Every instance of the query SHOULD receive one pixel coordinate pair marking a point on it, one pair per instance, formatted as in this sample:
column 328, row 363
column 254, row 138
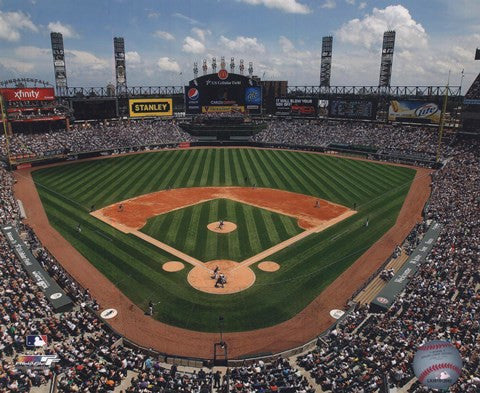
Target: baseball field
column 310, row 215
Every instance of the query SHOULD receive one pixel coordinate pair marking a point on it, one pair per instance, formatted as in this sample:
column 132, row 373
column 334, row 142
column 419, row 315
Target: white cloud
column 288, row 6
column 132, row 59
column 164, row 35
column 191, row 45
column 66, row 30
column 85, row 61
column 369, row 30
column 12, row 22
column 242, row 44
column 29, row 52
column 351, row 2
column 362, row 5
column 153, row 15
column 16, row 66
column 285, row 44
column 167, row 64
column 329, row 4
column 201, row 34
column 186, row 18
column 291, row 56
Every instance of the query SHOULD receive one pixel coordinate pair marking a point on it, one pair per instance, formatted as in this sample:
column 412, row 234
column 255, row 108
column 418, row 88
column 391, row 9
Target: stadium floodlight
column 195, row 70
column 205, row 67
column 250, row 69
column 242, row 67
column 232, row 65
column 214, row 65
column 223, row 64
column 387, row 59
column 326, row 62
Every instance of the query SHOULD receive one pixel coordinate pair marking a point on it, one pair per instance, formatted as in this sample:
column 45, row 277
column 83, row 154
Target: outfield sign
column 385, row 298
column 57, row 297
column 150, row 107
column 414, row 112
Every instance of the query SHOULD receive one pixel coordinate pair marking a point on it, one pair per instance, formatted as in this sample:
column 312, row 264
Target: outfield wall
column 347, row 150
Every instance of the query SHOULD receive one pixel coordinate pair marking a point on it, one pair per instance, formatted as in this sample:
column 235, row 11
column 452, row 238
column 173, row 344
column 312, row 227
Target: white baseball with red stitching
column 437, row 364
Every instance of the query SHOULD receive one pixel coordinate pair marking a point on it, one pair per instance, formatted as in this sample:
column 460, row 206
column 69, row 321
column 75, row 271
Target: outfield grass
column 186, row 230
column 307, row 267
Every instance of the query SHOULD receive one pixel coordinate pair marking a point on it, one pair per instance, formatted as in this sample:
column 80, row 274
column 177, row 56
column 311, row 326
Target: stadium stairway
column 370, row 291
column 126, row 382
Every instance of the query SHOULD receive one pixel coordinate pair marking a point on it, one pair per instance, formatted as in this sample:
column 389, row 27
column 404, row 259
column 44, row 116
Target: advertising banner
column 296, row 107
column 353, row 109
column 28, row 94
column 149, row 107
column 399, row 281
column 253, row 97
column 414, row 112
column 57, row 297
column 223, row 109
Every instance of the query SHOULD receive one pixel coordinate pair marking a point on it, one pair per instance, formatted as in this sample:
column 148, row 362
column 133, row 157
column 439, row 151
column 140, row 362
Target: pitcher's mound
column 238, row 277
column 269, row 266
column 173, row 266
column 227, row 227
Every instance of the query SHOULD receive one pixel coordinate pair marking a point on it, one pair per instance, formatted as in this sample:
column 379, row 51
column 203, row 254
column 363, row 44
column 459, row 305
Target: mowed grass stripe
column 265, row 176
column 121, row 188
column 108, row 182
column 247, row 169
column 234, row 247
column 211, row 243
column 224, row 168
column 190, row 164
column 212, row 168
column 355, row 185
column 269, row 169
column 189, row 227
column 76, row 186
column 303, row 177
column 116, row 172
column 186, row 169
column 64, row 176
column 217, row 167
column 192, row 180
column 150, row 178
column 336, row 186
column 239, row 175
column 205, row 164
column 376, row 177
column 280, row 167
column 125, row 188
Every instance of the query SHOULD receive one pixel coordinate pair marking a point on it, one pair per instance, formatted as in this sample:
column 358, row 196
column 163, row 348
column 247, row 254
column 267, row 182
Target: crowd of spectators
column 442, row 301
column 86, row 137
column 387, row 138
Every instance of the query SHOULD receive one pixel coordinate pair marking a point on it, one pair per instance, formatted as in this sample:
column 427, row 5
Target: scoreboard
column 353, row 109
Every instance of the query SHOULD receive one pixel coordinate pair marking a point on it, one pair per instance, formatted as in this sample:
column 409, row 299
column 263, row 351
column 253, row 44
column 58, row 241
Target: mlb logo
column 36, row 341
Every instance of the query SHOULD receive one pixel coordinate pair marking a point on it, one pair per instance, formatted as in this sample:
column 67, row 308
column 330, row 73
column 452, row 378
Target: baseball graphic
column 437, row 364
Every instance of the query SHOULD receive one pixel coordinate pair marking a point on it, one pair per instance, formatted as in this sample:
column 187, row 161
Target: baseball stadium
column 232, row 232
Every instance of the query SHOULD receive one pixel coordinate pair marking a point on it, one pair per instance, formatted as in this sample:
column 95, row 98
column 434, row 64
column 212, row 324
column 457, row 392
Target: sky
column 163, row 39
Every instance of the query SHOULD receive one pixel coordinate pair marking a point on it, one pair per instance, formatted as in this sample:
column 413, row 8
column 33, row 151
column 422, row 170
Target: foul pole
column 442, row 118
